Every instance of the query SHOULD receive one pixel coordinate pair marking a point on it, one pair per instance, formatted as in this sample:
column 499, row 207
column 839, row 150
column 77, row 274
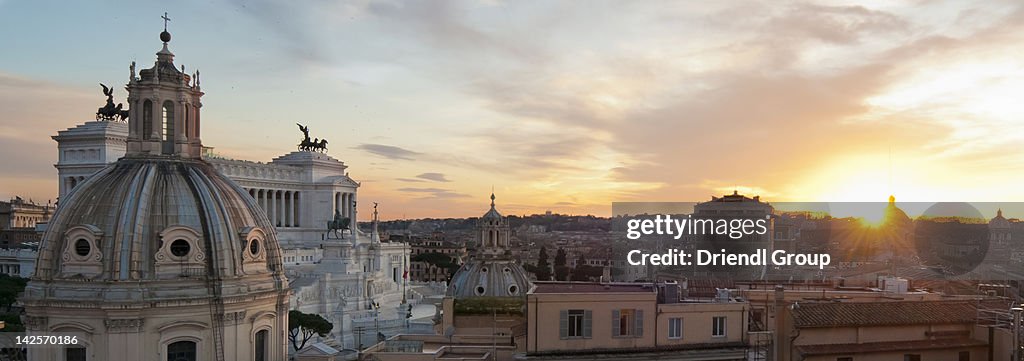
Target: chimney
column 670, row 293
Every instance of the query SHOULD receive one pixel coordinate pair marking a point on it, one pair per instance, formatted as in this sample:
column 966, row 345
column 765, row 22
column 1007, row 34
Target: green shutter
column 639, row 329
column 563, row 324
column 587, row 322
column 615, row 323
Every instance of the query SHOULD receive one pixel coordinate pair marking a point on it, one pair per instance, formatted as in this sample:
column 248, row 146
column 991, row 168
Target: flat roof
column 591, row 287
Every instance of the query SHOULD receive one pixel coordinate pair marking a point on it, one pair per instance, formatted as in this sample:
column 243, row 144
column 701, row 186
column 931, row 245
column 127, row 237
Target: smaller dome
column 894, row 216
column 999, row 222
column 489, row 278
column 492, row 214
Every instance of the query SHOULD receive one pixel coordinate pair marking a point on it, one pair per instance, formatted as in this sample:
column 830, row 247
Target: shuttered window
column 627, row 322
column 575, row 324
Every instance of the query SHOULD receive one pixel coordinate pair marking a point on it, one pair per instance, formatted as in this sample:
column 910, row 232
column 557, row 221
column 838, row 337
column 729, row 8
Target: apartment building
column 581, row 320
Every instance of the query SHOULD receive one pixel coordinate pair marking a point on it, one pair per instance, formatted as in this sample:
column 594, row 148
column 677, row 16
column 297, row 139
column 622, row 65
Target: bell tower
column 493, row 233
column 164, row 108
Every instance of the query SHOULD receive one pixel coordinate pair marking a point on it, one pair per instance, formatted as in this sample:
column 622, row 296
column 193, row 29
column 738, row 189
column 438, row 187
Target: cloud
column 410, row 180
column 435, row 192
column 388, row 151
column 35, row 110
column 437, row 177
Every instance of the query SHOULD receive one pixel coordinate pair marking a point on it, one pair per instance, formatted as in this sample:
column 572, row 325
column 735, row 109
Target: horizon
column 431, row 106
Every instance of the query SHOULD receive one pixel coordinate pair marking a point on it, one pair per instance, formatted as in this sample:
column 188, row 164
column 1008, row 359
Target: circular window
column 254, row 247
column 180, row 248
column 513, row 289
column 82, row 247
column 479, row 290
column 507, row 270
column 484, row 270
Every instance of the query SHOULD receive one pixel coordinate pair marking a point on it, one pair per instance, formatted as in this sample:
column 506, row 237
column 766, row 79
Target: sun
column 873, row 219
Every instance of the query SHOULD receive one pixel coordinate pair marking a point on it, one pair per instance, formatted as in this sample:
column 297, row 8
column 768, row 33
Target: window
column 964, row 356
column 147, row 119
column 911, row 357
column 181, row 351
column 167, row 121
column 254, row 247
column 260, row 344
column 575, row 324
column 82, row 247
column 675, row 328
column 180, row 248
column 718, row 326
column 168, row 127
column 627, row 323
column 74, row 354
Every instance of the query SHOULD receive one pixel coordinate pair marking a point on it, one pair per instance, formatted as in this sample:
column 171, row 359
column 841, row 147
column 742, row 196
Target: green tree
column 582, row 271
column 10, row 287
column 543, row 270
column 302, row 327
column 561, row 270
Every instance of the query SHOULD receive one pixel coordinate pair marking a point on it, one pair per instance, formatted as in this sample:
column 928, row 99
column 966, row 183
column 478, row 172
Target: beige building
column 19, row 213
column 578, row 320
column 869, row 331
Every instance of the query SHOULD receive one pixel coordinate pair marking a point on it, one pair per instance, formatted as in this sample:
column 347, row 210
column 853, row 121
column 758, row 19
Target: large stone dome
column 158, row 256
column 160, row 218
column 169, row 253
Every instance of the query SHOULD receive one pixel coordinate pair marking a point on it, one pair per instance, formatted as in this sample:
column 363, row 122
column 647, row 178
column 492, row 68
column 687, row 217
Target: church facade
column 349, row 277
column 159, row 256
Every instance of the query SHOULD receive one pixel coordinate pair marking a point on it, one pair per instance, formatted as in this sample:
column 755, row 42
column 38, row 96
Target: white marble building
column 18, row 262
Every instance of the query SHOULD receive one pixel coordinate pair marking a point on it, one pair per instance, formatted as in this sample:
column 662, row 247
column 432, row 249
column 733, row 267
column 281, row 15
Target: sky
column 556, row 105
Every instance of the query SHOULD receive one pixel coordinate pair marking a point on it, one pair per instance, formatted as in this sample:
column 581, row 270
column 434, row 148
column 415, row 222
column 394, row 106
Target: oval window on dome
column 513, row 290
column 254, row 247
column 479, row 290
column 180, row 248
column 484, row 270
column 82, row 247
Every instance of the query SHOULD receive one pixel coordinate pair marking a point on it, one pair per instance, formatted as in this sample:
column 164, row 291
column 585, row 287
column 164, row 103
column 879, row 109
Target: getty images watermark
column 743, row 238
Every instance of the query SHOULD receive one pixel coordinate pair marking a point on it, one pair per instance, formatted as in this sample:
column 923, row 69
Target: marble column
column 288, row 208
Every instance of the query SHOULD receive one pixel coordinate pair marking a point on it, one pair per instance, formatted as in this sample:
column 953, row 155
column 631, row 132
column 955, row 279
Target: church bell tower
column 164, row 108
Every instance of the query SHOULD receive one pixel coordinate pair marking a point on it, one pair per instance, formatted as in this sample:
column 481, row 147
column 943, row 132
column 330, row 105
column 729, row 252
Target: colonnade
column 282, row 206
column 345, row 203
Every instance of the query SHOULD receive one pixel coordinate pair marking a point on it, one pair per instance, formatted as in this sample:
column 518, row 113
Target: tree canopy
column 302, row 327
column 543, row 269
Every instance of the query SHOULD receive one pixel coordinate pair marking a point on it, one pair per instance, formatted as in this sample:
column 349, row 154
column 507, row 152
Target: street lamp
column 408, row 315
column 376, row 319
column 1016, row 333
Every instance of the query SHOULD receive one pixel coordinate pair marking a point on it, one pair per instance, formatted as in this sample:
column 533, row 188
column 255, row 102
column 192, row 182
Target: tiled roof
column 809, row 315
column 861, row 348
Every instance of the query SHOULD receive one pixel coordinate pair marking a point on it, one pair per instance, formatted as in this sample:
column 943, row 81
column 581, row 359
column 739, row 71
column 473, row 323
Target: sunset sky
column 562, row 106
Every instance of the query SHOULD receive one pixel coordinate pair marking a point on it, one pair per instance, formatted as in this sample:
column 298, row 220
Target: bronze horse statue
column 315, row 145
column 336, row 224
column 110, row 111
